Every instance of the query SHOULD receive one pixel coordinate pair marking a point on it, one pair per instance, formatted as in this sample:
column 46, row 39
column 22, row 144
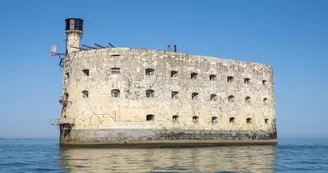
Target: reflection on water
column 216, row 159
column 38, row 155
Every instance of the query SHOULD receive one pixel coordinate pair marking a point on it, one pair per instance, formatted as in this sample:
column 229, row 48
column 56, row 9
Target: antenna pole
column 111, row 45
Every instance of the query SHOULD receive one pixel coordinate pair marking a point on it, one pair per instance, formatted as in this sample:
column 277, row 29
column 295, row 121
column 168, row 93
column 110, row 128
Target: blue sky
column 290, row 35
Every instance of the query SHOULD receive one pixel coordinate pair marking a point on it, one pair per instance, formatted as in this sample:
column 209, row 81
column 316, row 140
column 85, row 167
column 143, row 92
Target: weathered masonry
column 127, row 97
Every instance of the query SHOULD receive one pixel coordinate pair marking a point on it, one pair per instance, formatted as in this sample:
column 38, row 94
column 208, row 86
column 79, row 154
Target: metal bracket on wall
column 61, row 64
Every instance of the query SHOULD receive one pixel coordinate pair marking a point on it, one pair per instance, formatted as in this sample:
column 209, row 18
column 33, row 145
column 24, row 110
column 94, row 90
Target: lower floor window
column 195, row 119
column 150, row 117
column 175, row 118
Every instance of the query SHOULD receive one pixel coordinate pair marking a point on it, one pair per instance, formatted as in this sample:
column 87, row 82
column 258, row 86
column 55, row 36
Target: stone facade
column 116, row 88
column 123, row 95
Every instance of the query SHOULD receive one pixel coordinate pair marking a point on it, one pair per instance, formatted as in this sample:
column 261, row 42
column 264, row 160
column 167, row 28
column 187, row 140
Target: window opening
column 265, row 100
column 174, row 94
column 232, row 120
column 85, row 94
column 230, row 79
column 264, row 82
column 249, row 120
column 115, row 93
column 150, row 117
column 214, row 120
column 86, row 72
column 66, row 96
column 174, row 74
column 193, row 75
column 194, row 96
column 175, row 118
column 214, row 97
column 231, row 98
column 212, row 77
column 195, row 119
column 248, row 99
column 266, row 121
column 149, row 93
column 149, row 71
column 115, row 70
column 247, row 80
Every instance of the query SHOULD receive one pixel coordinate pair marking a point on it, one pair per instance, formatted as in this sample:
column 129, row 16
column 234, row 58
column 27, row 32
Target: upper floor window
column 247, row 80
column 194, row 96
column 212, row 77
column 67, row 75
column 247, row 99
column 85, row 72
column 266, row 121
column 115, row 93
column 265, row 100
column 115, row 70
column 66, row 96
column 150, row 93
column 193, row 75
column 174, row 94
column 213, row 97
column 174, row 74
column 230, row 79
column 149, row 71
column 231, row 120
column 264, row 82
column 150, row 117
column 85, row 94
column 231, row 98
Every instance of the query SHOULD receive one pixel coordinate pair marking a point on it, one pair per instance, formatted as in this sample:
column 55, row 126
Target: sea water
column 45, row 155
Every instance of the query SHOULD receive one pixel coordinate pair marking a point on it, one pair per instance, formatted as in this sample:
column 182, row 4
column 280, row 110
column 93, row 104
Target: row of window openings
column 174, row 95
column 114, row 70
column 150, row 71
column 194, row 75
column 195, row 119
column 212, row 77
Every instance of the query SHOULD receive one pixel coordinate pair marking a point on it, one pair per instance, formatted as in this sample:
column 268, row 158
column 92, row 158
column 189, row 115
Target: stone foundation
column 163, row 138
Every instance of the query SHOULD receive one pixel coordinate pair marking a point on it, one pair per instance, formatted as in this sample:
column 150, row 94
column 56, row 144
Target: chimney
column 168, row 48
column 74, row 31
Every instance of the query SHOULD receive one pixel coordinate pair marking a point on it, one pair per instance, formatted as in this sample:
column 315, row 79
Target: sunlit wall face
column 123, row 95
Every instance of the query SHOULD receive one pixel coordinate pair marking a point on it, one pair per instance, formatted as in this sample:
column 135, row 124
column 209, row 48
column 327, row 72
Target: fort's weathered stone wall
column 106, row 89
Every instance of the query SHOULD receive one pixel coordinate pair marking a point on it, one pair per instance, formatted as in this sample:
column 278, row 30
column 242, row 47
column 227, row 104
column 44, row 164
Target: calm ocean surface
column 28, row 155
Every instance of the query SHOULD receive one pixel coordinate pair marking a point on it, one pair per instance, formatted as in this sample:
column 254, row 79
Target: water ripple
column 47, row 156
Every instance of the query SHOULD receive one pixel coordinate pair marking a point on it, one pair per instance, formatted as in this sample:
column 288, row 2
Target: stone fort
column 140, row 97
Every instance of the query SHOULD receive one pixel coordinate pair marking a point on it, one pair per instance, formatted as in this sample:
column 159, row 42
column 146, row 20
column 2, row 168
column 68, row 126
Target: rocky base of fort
column 163, row 138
